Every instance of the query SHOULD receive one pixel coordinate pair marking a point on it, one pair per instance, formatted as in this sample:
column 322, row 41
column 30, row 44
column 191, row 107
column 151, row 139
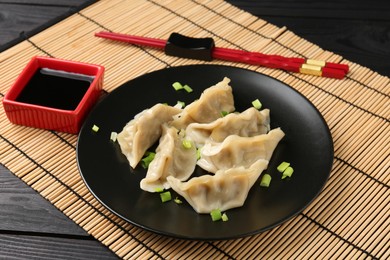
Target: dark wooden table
column 31, row 228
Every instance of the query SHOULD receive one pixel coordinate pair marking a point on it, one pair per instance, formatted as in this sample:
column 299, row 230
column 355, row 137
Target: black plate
column 307, row 146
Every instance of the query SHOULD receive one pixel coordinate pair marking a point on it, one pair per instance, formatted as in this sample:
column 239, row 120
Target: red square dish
column 54, row 94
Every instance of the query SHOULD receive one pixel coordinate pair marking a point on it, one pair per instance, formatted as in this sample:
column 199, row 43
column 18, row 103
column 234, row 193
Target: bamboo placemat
column 350, row 217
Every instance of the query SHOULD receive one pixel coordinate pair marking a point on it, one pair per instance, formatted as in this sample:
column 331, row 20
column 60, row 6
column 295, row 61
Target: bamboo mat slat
column 349, row 218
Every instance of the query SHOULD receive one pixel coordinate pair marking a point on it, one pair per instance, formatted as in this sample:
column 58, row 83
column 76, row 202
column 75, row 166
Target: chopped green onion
column 148, row 158
column 224, row 113
column 283, row 166
column 198, row 153
column 265, row 180
column 215, row 214
column 287, row 172
column 187, row 144
column 224, row 217
column 113, row 136
column 159, row 189
column 257, row 104
column 95, row 128
column 180, row 104
column 177, row 86
column 187, row 88
column 165, row 196
column 178, row 201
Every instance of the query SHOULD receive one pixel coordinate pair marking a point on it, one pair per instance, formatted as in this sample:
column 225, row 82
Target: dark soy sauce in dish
column 55, row 89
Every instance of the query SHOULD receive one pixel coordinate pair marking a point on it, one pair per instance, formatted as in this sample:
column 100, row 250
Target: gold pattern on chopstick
column 311, row 69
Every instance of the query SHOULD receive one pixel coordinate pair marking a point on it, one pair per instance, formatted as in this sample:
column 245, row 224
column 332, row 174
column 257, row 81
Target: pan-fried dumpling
column 172, row 159
column 250, row 122
column 143, row 131
column 237, row 151
column 225, row 190
column 208, row 107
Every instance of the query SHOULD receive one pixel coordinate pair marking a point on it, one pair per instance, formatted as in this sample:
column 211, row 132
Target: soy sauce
column 55, row 89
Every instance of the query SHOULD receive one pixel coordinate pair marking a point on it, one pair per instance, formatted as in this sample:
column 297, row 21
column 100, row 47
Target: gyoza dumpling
column 225, row 190
column 250, row 122
column 237, row 151
column 172, row 159
column 143, row 131
column 208, row 107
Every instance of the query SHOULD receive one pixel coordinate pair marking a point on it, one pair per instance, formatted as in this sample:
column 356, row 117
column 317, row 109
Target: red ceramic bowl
column 54, row 94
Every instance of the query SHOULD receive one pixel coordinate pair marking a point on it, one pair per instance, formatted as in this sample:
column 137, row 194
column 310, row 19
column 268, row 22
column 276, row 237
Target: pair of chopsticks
column 182, row 44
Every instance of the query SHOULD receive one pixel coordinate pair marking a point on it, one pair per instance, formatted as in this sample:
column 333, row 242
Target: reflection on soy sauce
column 55, row 89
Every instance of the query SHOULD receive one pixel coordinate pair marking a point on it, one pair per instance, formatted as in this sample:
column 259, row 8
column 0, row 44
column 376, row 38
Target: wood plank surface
column 31, row 228
column 22, row 19
column 357, row 30
column 24, row 246
column 34, row 214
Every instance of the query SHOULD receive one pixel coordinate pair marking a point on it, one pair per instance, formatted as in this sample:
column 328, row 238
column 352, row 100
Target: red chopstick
column 139, row 40
column 299, row 65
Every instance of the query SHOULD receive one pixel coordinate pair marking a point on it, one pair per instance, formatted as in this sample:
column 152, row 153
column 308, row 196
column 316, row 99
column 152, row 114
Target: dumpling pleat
column 225, row 190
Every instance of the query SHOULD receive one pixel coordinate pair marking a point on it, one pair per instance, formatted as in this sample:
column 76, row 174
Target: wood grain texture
column 32, row 228
column 30, row 213
column 43, row 247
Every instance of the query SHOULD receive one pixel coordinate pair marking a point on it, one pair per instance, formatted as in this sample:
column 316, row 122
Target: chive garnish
column 148, row 158
column 198, row 155
column 159, row 189
column 180, row 104
column 265, row 180
column 224, row 217
column 283, row 166
column 165, row 196
column 187, row 88
column 113, row 136
column 215, row 214
column 287, row 172
column 224, row 113
column 257, row 104
column 178, row 201
column 177, row 86
column 187, row 144
column 95, row 128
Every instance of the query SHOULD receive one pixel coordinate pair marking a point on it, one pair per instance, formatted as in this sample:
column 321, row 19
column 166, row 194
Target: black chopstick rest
column 186, row 47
